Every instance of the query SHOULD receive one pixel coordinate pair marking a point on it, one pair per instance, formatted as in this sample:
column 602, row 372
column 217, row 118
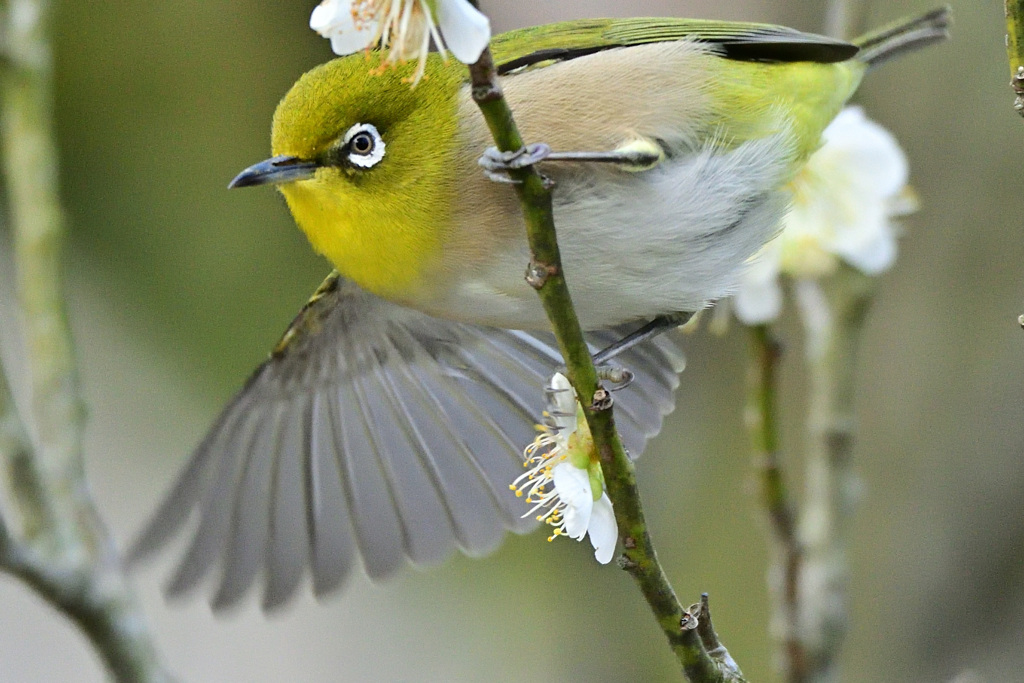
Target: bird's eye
column 363, row 145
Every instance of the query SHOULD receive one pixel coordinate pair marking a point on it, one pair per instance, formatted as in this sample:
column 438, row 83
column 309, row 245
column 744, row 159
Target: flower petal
column 465, row 29
column 325, row 15
column 871, row 152
column 844, row 202
column 562, row 404
column 352, row 41
column 759, row 297
column 573, row 487
column 334, row 19
column 604, row 532
column 873, row 254
column 758, row 305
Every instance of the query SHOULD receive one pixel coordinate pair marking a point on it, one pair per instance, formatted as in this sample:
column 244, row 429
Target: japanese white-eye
column 388, row 423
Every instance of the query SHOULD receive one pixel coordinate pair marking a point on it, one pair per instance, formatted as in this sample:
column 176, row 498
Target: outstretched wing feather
column 247, row 545
column 377, row 431
column 289, row 538
column 471, row 511
column 214, row 514
column 333, row 548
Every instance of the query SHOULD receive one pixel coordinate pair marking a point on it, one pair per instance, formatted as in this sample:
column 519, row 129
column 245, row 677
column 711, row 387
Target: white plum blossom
column 406, row 27
column 566, row 488
column 845, row 201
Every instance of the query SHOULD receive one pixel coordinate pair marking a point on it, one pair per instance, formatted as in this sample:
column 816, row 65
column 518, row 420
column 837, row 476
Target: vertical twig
column 809, row 577
column 834, row 323
column 784, row 572
column 545, row 275
column 63, row 551
column 845, row 18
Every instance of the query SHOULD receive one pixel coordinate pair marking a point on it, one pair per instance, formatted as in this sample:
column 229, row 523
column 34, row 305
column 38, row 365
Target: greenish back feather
column 541, row 45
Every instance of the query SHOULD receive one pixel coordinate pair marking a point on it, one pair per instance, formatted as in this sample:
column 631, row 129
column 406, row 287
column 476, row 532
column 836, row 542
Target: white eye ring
column 368, row 158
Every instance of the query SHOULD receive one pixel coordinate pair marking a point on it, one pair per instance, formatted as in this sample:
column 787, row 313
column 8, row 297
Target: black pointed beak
column 276, row 170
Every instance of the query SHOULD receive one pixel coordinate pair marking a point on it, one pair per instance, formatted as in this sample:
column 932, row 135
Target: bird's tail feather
column 903, row 36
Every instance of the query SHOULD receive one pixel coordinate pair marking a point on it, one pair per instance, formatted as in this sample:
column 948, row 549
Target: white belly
column 635, row 245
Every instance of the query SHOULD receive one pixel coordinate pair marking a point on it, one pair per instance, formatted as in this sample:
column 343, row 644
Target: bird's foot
column 660, row 324
column 616, row 374
column 634, row 156
column 498, row 164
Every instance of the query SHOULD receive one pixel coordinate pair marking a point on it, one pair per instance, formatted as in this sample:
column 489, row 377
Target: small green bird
column 388, row 423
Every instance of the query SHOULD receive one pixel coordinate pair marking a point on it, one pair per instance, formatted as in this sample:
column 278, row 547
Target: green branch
column 546, row 276
column 63, row 549
column 1015, row 50
column 809, row 578
column 833, row 341
column 762, row 425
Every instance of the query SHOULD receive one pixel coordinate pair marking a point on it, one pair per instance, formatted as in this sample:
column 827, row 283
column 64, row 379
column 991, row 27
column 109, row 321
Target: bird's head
column 365, row 164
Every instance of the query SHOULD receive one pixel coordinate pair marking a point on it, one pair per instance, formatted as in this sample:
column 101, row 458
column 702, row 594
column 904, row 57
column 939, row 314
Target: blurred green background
column 179, row 288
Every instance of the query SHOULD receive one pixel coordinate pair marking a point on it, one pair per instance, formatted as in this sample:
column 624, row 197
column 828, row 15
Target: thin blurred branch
column 784, row 572
column 845, row 18
column 15, row 448
column 545, row 275
column 809, row 577
column 63, row 549
column 834, row 320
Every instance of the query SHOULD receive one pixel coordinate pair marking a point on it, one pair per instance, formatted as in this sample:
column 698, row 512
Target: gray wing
column 379, row 432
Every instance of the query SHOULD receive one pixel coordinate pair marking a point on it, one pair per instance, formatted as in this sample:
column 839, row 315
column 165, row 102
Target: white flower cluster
column 407, row 27
column 845, row 201
column 564, row 486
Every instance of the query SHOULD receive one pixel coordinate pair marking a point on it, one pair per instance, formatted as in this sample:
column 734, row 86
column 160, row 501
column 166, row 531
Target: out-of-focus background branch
column 51, row 536
column 178, row 288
